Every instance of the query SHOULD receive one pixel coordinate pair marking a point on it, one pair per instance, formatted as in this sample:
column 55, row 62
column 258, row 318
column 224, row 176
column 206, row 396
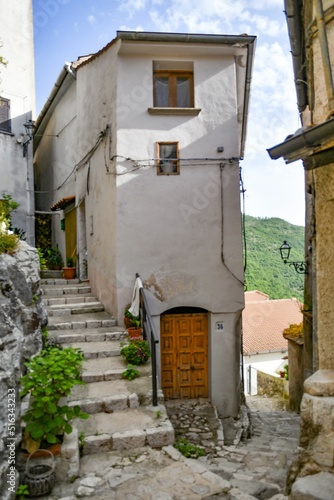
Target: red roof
column 255, row 296
column 263, row 324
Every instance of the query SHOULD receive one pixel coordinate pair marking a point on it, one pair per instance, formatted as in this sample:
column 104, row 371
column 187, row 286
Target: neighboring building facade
column 264, row 347
column 17, row 107
column 311, row 32
column 140, row 156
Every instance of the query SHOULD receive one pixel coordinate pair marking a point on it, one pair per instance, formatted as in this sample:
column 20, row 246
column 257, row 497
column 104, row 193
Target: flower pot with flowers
column 136, row 351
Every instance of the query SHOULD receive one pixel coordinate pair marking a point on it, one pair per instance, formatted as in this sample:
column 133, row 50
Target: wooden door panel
column 184, row 355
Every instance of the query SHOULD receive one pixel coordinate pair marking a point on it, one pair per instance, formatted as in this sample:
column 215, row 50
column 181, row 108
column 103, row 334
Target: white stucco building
column 17, row 107
column 139, row 155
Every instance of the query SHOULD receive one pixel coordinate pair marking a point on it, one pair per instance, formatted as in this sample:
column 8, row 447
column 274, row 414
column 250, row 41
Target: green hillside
column 265, row 270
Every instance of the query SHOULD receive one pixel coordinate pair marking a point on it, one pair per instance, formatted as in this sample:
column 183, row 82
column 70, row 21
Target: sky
column 67, row 29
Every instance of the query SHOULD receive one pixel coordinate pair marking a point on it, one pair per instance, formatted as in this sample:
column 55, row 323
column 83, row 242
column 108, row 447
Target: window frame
column 159, row 159
column 172, row 76
column 8, row 129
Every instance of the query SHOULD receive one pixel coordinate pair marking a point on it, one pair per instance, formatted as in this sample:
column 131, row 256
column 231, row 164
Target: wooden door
column 184, row 355
column 71, row 234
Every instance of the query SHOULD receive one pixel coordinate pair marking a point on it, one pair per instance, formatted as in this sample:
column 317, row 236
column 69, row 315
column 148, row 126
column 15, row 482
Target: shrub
column 51, row 376
column 8, row 243
column 136, row 352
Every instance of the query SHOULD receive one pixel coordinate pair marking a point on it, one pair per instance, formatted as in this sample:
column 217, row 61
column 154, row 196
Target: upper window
column 5, row 123
column 173, row 84
column 168, row 158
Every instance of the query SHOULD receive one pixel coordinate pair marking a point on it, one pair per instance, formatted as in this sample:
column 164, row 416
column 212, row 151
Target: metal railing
column 150, row 334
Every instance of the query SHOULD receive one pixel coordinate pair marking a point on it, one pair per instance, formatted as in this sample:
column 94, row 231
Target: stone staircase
column 121, row 415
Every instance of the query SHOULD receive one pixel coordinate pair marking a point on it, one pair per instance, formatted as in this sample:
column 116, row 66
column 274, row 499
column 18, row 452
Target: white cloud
column 131, row 7
column 91, row 19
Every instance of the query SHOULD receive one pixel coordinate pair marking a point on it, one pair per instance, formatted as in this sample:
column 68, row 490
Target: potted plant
column 50, row 377
column 136, row 351
column 132, row 323
column 54, row 258
column 70, row 270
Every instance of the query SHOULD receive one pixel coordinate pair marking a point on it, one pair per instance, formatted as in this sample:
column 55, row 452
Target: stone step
column 60, row 281
column 66, row 289
column 133, row 427
column 101, row 334
column 78, row 308
column 117, row 394
column 94, row 350
column 80, row 321
column 106, row 369
column 69, row 299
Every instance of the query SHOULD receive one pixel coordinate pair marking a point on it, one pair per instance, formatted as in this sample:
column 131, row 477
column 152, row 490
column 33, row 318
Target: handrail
column 150, row 334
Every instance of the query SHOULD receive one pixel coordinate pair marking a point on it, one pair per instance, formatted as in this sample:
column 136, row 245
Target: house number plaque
column 219, row 326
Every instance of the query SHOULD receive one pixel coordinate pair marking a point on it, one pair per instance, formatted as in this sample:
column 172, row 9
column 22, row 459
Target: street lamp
column 29, row 126
column 300, row 266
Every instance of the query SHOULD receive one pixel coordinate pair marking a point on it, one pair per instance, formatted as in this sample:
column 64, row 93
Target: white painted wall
column 167, row 228
column 17, row 84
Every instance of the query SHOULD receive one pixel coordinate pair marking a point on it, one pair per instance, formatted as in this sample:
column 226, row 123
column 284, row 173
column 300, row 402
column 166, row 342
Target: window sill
column 174, row 111
column 5, row 132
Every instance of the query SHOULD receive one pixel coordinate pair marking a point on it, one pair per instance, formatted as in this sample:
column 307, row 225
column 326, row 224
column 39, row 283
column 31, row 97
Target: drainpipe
column 325, row 52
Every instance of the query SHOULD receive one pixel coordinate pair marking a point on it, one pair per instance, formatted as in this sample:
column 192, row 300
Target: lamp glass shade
column 285, row 251
column 29, row 126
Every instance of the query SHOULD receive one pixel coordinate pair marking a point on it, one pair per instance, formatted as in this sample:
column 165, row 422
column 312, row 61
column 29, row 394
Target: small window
column 168, row 158
column 173, row 84
column 5, row 122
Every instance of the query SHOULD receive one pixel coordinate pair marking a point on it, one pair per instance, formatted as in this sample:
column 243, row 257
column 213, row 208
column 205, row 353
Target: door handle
column 192, row 367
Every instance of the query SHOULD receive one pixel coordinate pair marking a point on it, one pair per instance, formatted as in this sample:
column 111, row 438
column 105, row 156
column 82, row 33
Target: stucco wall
column 324, row 207
column 18, row 85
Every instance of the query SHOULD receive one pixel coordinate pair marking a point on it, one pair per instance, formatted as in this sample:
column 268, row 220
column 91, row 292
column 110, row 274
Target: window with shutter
column 168, row 158
column 5, row 122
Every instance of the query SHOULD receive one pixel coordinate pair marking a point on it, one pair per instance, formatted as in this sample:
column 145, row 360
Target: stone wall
column 22, row 314
column 270, row 386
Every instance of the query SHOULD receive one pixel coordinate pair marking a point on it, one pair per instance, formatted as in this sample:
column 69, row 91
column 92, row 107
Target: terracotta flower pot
column 127, row 322
column 69, row 273
column 134, row 332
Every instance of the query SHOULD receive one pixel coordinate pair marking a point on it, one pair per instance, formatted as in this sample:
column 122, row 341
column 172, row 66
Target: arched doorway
column 184, row 353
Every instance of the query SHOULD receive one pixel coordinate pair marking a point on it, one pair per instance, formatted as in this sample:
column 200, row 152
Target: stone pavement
column 256, row 468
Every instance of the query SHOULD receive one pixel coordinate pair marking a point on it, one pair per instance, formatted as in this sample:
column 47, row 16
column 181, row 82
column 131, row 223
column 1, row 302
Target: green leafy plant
column 53, row 258
column 136, row 352
column 42, row 260
column 158, row 414
column 22, row 491
column 51, row 376
column 187, row 449
column 286, row 372
column 134, row 319
column 70, row 262
column 130, row 373
column 8, row 242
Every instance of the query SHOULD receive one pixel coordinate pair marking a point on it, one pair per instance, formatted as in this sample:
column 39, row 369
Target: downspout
column 325, row 53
